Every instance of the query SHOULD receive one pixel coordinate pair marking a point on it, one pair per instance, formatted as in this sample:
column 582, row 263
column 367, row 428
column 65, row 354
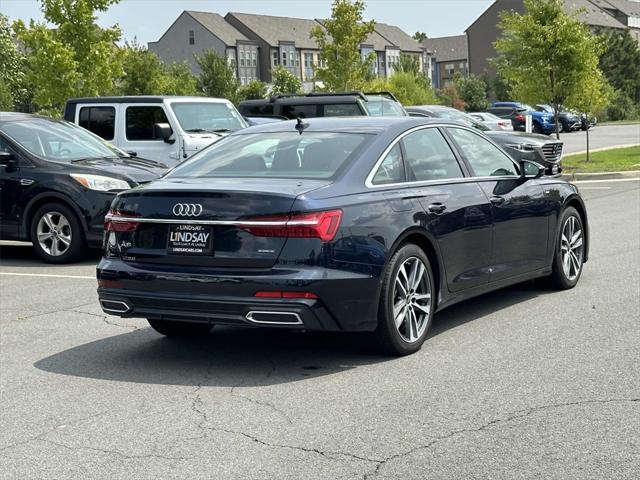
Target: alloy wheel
column 54, row 233
column 571, row 248
column 411, row 299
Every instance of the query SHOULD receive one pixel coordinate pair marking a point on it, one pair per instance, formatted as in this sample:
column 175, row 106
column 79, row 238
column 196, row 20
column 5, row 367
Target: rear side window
column 99, row 120
column 140, row 121
column 429, row 157
column 302, row 111
column 486, row 159
column 342, row 110
column 256, row 109
column 391, row 170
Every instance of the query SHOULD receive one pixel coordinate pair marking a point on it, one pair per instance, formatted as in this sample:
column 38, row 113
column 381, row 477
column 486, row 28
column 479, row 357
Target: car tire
column 170, row 328
column 568, row 258
column 407, row 302
column 57, row 234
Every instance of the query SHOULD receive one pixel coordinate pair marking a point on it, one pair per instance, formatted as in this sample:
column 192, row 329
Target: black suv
column 347, row 104
column 57, row 181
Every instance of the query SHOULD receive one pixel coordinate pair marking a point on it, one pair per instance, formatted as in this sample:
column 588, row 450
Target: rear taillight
column 519, row 118
column 116, row 222
column 322, row 225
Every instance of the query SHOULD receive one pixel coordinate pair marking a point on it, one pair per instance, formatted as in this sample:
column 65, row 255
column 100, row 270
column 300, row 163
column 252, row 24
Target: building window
column 254, row 59
column 192, row 37
column 275, row 59
column 242, row 58
column 243, row 81
column 449, row 69
column 284, row 59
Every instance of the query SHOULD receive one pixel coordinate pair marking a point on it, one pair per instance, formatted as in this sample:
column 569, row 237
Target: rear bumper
column 347, row 301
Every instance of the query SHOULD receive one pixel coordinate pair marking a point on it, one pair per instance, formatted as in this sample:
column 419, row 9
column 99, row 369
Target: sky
column 147, row 20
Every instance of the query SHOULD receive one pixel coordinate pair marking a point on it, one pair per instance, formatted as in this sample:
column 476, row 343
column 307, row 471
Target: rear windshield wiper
column 206, row 130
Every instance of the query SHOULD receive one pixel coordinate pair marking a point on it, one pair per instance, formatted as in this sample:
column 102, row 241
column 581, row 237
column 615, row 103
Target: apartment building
column 256, row 44
column 448, row 57
column 598, row 14
column 194, row 32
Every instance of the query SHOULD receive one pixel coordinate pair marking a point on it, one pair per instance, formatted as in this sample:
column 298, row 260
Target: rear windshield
column 280, row 155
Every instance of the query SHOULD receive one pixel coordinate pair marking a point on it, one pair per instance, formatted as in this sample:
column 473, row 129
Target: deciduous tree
column 420, row 36
column 254, row 90
column 546, row 55
column 217, row 77
column 343, row 67
column 285, row 82
column 146, row 74
column 12, row 77
column 473, row 91
column 70, row 55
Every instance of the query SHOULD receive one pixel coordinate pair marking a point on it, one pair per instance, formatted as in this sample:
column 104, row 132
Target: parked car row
column 264, row 226
column 521, row 146
column 542, row 116
column 58, row 179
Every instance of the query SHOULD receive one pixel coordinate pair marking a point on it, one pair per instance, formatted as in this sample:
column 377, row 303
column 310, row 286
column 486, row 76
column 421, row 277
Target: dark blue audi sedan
column 368, row 224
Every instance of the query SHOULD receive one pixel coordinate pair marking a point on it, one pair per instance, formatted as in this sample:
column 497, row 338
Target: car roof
column 325, row 99
column 359, row 124
column 143, row 99
column 17, row 116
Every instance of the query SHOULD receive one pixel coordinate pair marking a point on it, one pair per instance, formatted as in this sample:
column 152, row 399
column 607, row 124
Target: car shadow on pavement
column 231, row 357
column 23, row 256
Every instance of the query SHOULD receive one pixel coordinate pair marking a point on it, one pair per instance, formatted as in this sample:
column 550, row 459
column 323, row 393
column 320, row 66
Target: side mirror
column 529, row 169
column 163, row 131
column 8, row 160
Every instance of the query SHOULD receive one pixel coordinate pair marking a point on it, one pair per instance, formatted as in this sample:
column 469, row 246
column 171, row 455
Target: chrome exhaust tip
column 273, row 318
column 115, row 306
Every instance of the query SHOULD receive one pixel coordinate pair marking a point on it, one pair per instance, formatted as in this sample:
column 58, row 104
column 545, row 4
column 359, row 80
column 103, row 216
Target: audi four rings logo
column 187, row 209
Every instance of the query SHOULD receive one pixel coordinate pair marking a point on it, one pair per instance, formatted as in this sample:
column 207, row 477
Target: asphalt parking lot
column 522, row 383
column 602, row 136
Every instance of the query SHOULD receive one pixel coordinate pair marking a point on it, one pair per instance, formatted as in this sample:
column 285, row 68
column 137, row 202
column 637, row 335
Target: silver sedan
column 492, row 121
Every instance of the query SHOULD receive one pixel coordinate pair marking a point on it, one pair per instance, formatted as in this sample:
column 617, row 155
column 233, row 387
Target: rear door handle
column 496, row 200
column 437, row 208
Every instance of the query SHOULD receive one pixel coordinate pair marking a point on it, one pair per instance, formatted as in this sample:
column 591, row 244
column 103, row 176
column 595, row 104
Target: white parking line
column 596, row 188
column 46, row 275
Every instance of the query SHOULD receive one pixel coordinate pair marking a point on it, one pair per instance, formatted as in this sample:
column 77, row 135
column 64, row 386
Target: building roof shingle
column 628, row 7
column 591, row 14
column 446, row 49
column 398, row 37
column 218, row 26
column 274, row 30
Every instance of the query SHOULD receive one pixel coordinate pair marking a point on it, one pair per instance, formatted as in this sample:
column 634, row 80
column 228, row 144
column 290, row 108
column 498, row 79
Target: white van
column 166, row 129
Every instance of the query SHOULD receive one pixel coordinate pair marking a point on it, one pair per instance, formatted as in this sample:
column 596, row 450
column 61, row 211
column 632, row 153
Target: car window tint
column 302, row 111
column 391, row 169
column 99, row 120
column 140, row 121
column 342, row 110
column 314, row 155
column 257, row 109
column 486, row 159
column 429, row 157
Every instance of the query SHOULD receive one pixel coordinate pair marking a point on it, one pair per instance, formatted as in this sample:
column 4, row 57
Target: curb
column 576, row 177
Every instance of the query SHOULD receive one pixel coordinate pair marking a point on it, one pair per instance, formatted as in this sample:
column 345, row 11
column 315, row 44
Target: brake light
column 322, row 225
column 280, row 294
column 519, row 118
column 114, row 221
